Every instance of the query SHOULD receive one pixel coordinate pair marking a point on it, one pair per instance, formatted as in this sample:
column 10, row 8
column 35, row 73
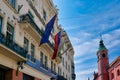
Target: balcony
column 28, row 24
column 40, row 67
column 13, row 50
column 48, row 47
column 30, row 58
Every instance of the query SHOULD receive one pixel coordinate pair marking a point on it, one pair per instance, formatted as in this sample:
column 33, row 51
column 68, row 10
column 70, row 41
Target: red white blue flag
column 57, row 40
column 48, row 29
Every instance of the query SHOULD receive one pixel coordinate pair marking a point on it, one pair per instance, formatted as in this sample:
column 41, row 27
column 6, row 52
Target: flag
column 48, row 29
column 57, row 40
column 61, row 45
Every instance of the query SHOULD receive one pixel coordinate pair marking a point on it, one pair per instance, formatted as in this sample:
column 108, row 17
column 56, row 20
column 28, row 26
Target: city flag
column 48, row 29
column 57, row 39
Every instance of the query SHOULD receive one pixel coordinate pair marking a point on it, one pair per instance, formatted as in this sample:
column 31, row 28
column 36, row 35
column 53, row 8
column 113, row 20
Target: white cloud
column 75, row 40
column 112, row 39
column 82, row 75
column 86, row 48
column 82, row 59
column 88, row 71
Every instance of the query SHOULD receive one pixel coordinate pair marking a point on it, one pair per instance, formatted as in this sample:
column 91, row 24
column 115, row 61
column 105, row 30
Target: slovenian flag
column 57, row 40
column 48, row 29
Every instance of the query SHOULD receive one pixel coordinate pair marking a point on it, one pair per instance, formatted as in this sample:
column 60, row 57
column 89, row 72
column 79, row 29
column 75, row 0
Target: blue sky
column 84, row 20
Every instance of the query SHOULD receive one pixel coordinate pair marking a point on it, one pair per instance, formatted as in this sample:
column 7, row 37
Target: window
column 72, row 68
column 66, row 64
column 9, row 35
column 12, row 3
column 58, row 71
column 46, row 60
column 41, row 57
column 112, row 76
column 118, row 72
column 98, row 57
column 69, row 68
column 27, row 77
column 103, row 55
column 32, row 50
column 2, row 74
column 44, row 14
column 0, row 24
column 32, row 53
column 51, row 65
column 63, row 61
column 26, row 43
column 54, row 67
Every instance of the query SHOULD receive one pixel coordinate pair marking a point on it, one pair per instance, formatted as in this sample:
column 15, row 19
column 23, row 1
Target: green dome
column 101, row 45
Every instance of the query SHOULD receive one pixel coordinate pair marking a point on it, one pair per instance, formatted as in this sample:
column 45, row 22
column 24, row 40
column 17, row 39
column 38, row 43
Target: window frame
column 26, row 45
column 118, row 72
column 1, row 23
column 32, row 50
column 46, row 61
column 44, row 14
column 9, row 33
column 52, row 65
column 41, row 57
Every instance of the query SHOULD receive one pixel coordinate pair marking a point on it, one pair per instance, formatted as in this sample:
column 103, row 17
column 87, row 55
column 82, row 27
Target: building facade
column 106, row 71
column 22, row 23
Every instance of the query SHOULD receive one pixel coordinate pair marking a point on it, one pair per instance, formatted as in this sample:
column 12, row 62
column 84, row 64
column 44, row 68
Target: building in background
column 106, row 71
column 22, row 23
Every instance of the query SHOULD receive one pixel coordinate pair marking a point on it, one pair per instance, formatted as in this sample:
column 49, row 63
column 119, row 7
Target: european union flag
column 48, row 29
column 57, row 40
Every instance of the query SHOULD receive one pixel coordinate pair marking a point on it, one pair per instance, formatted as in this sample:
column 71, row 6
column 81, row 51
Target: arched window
column 118, row 72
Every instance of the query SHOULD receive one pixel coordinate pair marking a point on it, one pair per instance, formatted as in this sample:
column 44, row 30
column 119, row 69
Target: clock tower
column 103, row 62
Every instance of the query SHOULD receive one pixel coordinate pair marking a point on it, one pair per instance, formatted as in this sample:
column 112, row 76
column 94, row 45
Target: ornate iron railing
column 13, row 46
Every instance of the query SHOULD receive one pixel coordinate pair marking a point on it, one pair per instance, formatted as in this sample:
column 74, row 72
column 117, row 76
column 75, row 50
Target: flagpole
column 65, row 51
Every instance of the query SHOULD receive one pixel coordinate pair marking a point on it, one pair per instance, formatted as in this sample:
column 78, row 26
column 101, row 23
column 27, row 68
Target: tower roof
column 101, row 45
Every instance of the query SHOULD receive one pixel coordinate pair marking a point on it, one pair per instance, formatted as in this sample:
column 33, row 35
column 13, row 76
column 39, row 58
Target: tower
column 103, row 62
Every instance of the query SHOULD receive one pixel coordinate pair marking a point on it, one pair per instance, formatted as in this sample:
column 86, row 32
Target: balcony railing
column 40, row 67
column 44, row 66
column 59, row 77
column 13, row 46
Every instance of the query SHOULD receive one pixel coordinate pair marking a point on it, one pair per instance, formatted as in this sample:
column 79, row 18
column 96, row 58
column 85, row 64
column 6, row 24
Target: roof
column 117, row 60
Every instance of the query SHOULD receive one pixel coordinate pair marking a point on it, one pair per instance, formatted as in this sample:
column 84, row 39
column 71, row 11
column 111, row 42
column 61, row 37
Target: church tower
column 103, row 62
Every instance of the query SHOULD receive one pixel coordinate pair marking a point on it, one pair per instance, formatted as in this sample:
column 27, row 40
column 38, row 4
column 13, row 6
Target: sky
column 84, row 21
